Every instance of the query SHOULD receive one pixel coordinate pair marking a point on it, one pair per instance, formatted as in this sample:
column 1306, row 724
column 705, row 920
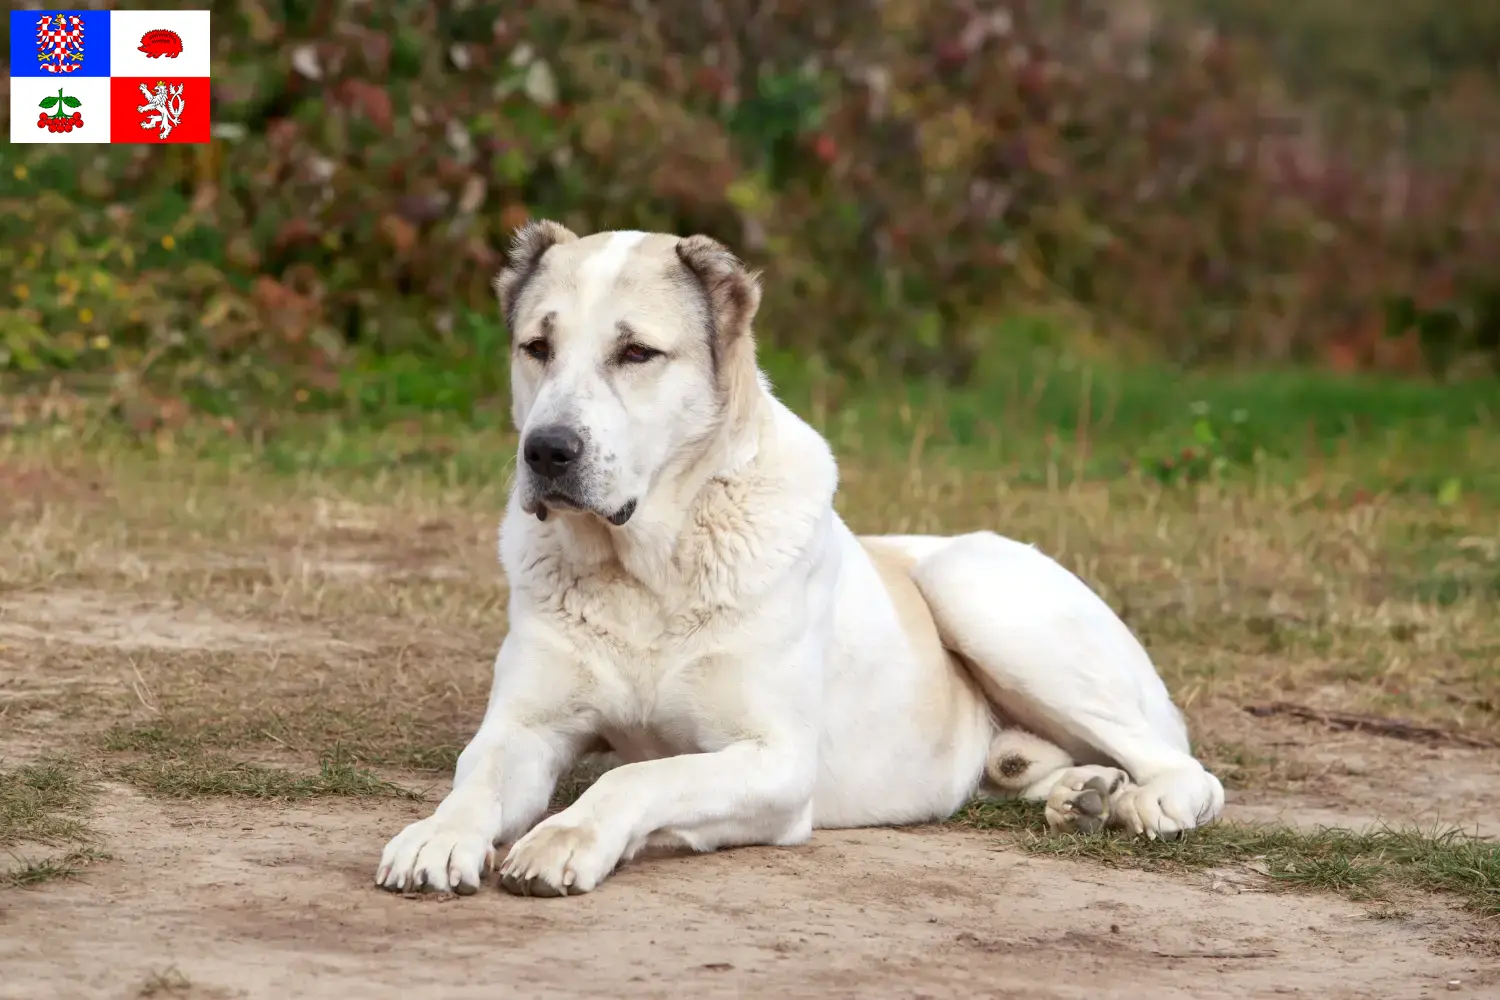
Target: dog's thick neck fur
column 645, row 547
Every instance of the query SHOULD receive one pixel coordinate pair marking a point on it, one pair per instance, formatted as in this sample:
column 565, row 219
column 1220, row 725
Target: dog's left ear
column 732, row 291
column 732, row 294
column 527, row 248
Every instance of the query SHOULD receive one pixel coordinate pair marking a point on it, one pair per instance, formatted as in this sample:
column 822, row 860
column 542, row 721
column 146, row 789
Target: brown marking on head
column 732, row 295
column 529, row 245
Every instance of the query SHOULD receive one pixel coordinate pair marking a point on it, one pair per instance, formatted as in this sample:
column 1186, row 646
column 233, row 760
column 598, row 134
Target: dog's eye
column 638, row 354
column 537, row 350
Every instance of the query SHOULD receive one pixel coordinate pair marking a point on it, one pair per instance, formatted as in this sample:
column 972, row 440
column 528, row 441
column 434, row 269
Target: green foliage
column 1403, row 52
column 1453, row 327
column 1207, row 447
column 907, row 172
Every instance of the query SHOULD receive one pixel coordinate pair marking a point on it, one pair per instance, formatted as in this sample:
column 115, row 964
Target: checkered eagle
column 59, row 42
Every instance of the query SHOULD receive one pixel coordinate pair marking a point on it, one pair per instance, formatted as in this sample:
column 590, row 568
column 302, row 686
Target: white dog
column 683, row 594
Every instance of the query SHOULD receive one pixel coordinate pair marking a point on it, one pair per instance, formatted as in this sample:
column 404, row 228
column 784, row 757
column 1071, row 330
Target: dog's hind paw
column 1082, row 800
column 1170, row 804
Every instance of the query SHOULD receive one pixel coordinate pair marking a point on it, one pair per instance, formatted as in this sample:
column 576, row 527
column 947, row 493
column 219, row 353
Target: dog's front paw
column 440, row 855
column 558, row 859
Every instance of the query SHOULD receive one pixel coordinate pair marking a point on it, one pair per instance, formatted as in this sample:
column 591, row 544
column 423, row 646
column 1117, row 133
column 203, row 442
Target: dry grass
column 42, row 806
column 199, row 775
column 168, row 982
column 216, row 628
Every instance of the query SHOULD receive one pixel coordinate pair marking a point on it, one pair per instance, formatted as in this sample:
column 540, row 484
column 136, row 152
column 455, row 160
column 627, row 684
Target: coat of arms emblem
column 59, row 42
column 163, row 107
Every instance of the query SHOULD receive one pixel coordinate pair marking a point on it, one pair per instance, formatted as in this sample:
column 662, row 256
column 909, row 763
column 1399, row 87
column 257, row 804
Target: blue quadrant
column 87, row 51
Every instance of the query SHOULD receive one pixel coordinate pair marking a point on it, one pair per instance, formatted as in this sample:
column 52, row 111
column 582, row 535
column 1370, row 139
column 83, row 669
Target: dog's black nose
column 551, row 451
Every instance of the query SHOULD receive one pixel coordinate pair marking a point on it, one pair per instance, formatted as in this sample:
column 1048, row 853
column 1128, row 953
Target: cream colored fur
column 685, row 595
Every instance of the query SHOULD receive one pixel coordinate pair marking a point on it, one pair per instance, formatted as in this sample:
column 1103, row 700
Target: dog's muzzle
column 553, row 455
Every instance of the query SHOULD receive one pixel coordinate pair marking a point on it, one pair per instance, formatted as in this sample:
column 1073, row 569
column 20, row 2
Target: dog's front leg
column 532, row 731
column 756, row 791
column 755, row 711
column 751, row 709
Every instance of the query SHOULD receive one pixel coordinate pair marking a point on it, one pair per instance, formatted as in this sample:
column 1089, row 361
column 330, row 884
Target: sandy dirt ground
column 222, row 900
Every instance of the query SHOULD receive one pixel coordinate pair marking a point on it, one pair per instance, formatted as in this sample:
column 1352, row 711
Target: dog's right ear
column 527, row 248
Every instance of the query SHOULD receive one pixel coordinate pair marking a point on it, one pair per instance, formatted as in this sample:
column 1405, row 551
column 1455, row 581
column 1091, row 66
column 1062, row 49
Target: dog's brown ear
column 530, row 243
column 732, row 293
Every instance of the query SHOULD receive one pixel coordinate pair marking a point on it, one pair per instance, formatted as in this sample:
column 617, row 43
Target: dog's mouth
column 547, row 502
column 622, row 515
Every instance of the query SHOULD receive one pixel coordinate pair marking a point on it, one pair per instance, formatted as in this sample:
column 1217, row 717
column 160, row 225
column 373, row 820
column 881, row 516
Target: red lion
column 161, row 42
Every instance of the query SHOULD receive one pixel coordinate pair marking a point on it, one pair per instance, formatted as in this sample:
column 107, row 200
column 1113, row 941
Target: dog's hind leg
column 1058, row 662
column 1078, row 798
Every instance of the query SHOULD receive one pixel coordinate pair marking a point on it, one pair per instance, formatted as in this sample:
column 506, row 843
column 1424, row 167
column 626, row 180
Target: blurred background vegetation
column 964, row 197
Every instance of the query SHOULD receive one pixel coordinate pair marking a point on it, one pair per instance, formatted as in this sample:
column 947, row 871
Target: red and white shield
column 59, row 42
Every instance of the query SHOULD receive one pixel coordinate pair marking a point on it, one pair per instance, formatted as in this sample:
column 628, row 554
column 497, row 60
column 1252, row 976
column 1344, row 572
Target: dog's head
column 629, row 352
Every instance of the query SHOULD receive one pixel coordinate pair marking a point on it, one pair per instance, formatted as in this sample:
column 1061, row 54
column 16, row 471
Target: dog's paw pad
column 1080, row 802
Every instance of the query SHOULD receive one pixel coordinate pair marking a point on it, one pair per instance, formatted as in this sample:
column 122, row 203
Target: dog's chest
column 655, row 657
column 618, row 617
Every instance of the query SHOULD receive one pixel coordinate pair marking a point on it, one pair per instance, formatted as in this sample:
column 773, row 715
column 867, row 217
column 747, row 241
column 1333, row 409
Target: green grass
column 215, row 775
column 183, row 764
column 1036, row 412
column 42, row 804
column 1042, row 410
column 351, row 740
column 1363, row 865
